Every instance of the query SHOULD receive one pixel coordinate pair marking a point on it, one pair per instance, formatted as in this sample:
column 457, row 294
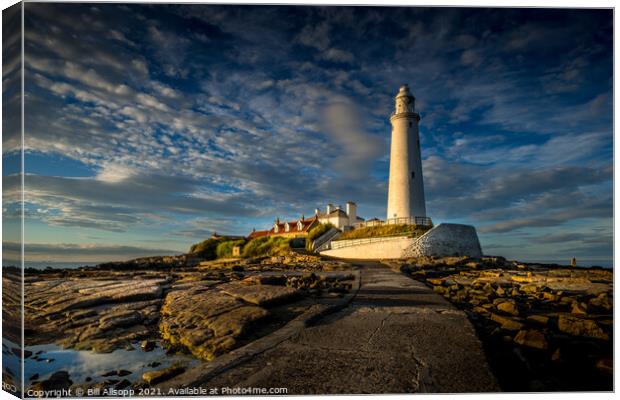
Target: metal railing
column 339, row 244
column 419, row 221
column 323, row 242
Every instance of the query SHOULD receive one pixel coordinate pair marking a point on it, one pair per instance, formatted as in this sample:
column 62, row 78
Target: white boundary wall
column 377, row 248
column 442, row 241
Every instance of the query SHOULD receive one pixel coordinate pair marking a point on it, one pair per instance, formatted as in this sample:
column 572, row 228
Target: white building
column 406, row 186
column 341, row 219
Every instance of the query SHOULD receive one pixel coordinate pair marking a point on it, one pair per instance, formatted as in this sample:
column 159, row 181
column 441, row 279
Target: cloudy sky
column 148, row 127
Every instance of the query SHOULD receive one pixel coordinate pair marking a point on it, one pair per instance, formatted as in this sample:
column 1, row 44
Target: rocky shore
column 544, row 327
column 203, row 309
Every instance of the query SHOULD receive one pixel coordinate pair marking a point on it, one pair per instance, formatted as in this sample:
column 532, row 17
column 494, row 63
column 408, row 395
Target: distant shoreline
column 584, row 263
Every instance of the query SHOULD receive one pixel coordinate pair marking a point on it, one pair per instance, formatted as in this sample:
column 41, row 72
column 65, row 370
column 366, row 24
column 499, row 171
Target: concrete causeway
column 396, row 336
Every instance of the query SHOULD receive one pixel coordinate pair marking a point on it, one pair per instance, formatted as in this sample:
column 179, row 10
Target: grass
column 383, row 231
column 212, row 248
column 224, row 249
column 316, row 233
column 267, row 246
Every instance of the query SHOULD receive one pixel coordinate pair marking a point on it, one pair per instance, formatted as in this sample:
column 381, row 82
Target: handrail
column 339, row 244
column 419, row 221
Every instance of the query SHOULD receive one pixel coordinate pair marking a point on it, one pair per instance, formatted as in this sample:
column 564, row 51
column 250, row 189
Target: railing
column 339, row 244
column 419, row 221
column 323, row 242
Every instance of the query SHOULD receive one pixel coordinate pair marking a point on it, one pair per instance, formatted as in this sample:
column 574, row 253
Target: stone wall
column 446, row 240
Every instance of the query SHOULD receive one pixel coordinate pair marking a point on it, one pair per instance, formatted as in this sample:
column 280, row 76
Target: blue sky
column 148, row 127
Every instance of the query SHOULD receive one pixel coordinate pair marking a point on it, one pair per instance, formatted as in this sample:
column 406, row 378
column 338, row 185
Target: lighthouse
column 406, row 186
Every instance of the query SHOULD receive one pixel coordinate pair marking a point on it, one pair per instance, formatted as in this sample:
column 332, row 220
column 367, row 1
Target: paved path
column 397, row 336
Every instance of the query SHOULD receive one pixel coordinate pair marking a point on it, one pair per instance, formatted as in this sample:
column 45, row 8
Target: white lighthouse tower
column 406, row 190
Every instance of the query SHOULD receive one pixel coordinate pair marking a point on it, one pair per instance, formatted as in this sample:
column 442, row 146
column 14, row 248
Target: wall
column 446, row 240
column 443, row 240
column 383, row 248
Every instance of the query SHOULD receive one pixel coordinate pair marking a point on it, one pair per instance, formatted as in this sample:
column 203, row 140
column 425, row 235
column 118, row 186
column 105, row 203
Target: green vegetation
column 213, row 248
column 207, row 249
column 224, row 248
column 266, row 246
column 384, row 230
column 316, row 233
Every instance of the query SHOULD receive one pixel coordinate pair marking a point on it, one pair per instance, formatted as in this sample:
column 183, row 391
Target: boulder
column 507, row 323
column 531, row 338
column 508, row 307
column 605, row 365
column 155, row 377
column 579, row 308
column 538, row 319
column 580, row 327
column 57, row 381
column 261, row 295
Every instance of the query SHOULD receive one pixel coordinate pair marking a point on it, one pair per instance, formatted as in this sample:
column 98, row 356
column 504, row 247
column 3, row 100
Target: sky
column 149, row 127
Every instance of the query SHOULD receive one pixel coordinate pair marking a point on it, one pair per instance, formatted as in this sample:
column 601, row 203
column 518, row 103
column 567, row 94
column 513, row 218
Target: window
column 410, row 124
column 412, row 174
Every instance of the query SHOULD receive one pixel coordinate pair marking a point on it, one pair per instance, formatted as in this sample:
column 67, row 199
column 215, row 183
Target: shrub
column 316, row 233
column 207, row 249
column 224, row 248
column 266, row 246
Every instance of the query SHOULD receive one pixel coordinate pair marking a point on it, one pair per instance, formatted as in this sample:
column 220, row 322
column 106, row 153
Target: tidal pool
column 81, row 364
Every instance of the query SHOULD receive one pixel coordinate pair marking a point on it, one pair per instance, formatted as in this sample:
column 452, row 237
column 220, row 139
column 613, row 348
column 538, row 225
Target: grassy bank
column 383, row 231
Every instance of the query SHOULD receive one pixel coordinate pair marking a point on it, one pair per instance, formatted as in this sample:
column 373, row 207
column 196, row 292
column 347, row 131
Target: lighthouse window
column 412, row 174
column 410, row 124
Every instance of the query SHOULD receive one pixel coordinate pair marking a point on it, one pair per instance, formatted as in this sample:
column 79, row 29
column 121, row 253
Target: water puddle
column 82, row 364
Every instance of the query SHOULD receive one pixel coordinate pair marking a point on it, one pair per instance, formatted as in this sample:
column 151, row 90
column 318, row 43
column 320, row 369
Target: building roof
column 337, row 211
column 256, row 234
column 306, row 223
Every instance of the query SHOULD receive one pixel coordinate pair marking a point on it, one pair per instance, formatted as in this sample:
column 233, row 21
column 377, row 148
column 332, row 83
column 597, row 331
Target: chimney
column 352, row 212
column 330, row 208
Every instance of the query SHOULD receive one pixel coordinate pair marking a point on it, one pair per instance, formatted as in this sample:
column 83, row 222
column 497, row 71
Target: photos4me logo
column 9, row 387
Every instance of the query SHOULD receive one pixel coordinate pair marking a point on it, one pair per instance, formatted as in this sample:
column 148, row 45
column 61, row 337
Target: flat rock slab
column 206, row 321
column 262, row 295
column 397, row 336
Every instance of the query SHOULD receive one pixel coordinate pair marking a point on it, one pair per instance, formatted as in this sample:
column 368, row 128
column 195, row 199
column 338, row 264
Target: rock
column 549, row 296
column 58, row 381
column 109, row 373
column 602, row 301
column 88, row 379
column 153, row 364
column 147, row 345
column 261, row 295
column 122, row 319
column 34, row 377
column 122, row 384
column 605, row 365
column 580, row 327
column 538, row 319
column 506, row 323
column 123, row 372
column 265, row 280
column 155, row 377
column 110, row 382
column 531, row 338
column 208, row 322
column 557, row 355
column 508, row 307
column 579, row 308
